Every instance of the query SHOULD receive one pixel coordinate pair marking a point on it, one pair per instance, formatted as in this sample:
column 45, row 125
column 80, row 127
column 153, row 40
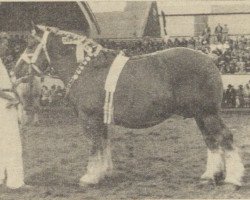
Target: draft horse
column 150, row 89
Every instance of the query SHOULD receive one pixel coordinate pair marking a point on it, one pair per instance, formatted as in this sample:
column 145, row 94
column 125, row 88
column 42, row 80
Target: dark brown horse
column 150, row 89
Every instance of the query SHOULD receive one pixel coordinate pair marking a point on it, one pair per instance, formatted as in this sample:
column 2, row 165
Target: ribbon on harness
column 110, row 85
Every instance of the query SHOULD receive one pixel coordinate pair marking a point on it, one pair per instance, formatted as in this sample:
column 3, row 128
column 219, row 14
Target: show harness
column 110, row 85
column 86, row 49
column 31, row 58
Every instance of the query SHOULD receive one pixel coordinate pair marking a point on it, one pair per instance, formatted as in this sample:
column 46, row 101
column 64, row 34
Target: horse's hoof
column 88, row 180
column 83, row 185
column 217, row 178
column 231, row 187
column 206, row 176
column 206, row 183
column 234, row 182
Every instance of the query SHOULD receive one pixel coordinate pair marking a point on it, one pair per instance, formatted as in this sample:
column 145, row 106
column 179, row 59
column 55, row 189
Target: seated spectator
column 233, row 68
column 240, row 65
column 218, row 32
column 230, row 96
column 206, row 34
column 241, row 42
column 246, row 93
column 240, row 97
column 247, row 66
column 224, row 69
column 177, row 42
column 183, row 42
column 248, row 44
column 170, row 44
column 191, row 43
column 225, row 46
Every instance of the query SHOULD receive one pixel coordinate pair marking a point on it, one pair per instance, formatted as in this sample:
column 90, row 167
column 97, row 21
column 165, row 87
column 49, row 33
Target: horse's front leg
column 99, row 163
column 36, row 110
column 23, row 117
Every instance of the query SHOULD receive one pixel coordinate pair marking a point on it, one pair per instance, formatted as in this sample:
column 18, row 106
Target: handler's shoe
column 23, row 187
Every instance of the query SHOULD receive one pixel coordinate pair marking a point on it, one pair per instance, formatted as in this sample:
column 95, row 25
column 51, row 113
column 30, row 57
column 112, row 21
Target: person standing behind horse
column 225, row 31
column 206, row 34
column 11, row 162
column 218, row 32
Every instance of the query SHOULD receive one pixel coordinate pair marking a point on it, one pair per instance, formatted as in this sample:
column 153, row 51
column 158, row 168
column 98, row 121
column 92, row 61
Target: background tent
column 71, row 16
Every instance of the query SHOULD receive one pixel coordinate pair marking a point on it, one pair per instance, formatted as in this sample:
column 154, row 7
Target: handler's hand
column 12, row 103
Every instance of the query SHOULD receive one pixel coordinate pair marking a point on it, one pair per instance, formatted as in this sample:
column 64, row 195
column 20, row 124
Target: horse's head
column 34, row 60
column 70, row 53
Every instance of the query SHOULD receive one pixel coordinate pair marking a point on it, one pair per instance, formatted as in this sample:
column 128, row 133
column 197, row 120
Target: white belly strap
column 110, row 85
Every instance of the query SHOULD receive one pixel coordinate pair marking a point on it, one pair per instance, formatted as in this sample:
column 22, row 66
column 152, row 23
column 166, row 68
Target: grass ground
column 165, row 161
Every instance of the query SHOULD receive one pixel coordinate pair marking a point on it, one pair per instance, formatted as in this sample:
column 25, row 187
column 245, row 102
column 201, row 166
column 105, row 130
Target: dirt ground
column 165, row 161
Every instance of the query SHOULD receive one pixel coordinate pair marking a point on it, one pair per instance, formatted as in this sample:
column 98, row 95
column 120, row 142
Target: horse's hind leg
column 222, row 155
column 100, row 163
column 215, row 162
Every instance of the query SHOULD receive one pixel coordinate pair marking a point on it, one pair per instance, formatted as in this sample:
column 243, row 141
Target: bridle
column 86, row 49
column 31, row 58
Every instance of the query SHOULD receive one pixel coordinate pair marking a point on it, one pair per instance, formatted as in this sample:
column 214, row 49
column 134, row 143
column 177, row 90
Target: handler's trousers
column 11, row 163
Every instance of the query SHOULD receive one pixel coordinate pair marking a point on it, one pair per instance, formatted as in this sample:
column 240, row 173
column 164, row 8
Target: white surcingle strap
column 110, row 85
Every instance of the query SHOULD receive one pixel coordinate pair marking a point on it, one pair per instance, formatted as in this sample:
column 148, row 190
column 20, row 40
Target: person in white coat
column 11, row 162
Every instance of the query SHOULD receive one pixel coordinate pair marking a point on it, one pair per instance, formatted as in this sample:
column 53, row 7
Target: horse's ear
column 34, row 29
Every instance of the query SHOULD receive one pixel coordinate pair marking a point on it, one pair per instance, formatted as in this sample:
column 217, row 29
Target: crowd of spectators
column 236, row 98
column 232, row 57
column 232, row 53
column 15, row 45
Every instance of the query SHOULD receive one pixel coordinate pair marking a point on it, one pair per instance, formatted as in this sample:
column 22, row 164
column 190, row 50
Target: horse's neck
column 67, row 68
